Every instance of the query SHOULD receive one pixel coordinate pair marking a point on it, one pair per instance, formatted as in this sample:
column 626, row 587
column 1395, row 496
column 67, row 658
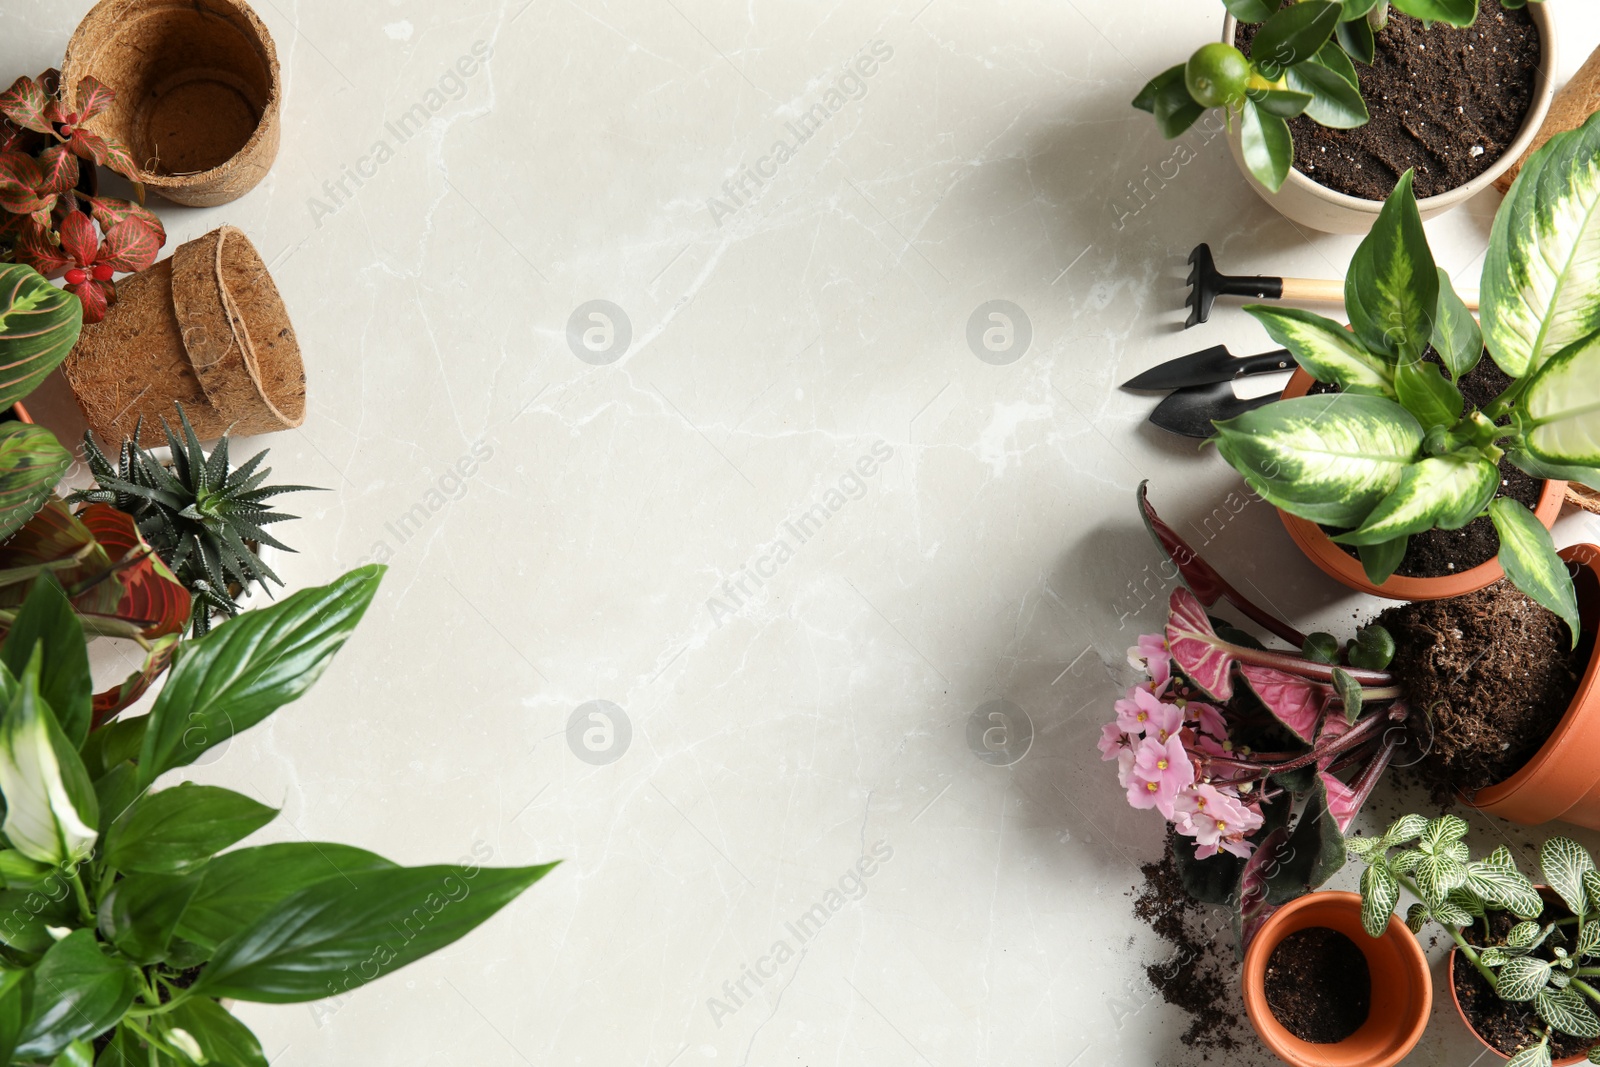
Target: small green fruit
column 1217, row 74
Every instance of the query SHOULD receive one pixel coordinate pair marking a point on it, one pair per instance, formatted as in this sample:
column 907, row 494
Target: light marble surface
column 986, row 549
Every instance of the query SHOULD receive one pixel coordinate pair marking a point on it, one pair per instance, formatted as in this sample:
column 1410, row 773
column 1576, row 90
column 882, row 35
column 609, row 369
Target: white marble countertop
column 788, row 525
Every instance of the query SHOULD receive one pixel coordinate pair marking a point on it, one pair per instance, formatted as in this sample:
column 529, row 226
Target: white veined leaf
column 1591, row 885
column 1560, row 412
column 1528, row 555
column 1563, row 861
column 1328, row 352
column 1588, row 941
column 1442, row 833
column 1416, row 917
column 1403, row 829
column 1328, row 459
column 1524, row 935
column 1593, row 1054
column 1532, row 1056
column 1362, row 847
column 1450, row 911
column 1446, row 491
column 1522, row 978
column 1436, row 876
column 1406, row 862
column 1494, row 956
column 1379, row 894
column 1567, row 1011
column 1497, row 881
column 1544, row 252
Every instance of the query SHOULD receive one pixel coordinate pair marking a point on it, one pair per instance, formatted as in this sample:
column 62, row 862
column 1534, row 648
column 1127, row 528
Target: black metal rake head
column 1206, row 283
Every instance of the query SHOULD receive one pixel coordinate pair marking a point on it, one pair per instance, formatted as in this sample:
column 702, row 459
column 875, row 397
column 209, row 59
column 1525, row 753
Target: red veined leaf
column 1253, row 907
column 153, row 596
column 20, row 179
column 24, row 103
column 129, row 246
column 79, row 240
column 109, row 704
column 1343, row 802
column 109, row 211
column 35, row 248
column 1205, row 659
column 52, row 535
column 106, row 151
column 96, row 296
column 93, row 98
column 1297, row 703
column 58, row 169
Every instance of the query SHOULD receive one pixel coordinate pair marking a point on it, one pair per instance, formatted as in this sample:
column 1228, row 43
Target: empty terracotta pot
column 1562, row 780
column 205, row 328
column 197, row 92
column 1402, row 989
column 1345, row 568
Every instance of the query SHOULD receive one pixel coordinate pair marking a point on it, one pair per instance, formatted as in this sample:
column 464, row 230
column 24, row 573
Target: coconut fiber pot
column 1562, row 780
column 1402, row 989
column 1343, row 567
column 205, row 328
column 197, row 92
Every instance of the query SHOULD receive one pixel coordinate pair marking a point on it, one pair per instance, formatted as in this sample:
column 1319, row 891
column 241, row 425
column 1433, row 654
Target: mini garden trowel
column 1191, row 411
column 1213, row 365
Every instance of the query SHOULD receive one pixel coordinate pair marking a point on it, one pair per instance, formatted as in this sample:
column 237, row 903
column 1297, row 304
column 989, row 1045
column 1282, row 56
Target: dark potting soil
column 1447, row 102
column 1318, row 985
column 1437, row 553
column 1508, row 1027
column 1493, row 672
column 1200, row 975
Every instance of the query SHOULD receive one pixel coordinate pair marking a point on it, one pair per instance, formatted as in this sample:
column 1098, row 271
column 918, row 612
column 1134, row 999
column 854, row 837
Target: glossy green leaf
column 1456, row 13
column 1560, row 410
column 1250, row 10
column 1284, row 103
column 1329, row 459
column 1392, row 286
column 1293, row 35
column 1446, row 491
column 1380, row 561
column 1357, row 9
column 16, row 1004
column 1539, row 291
column 1166, row 96
column 1314, row 852
column 1350, row 695
column 79, row 992
column 1267, row 145
column 237, row 888
column 176, row 830
column 333, row 931
column 225, row 1040
column 1456, row 335
column 141, row 912
column 1335, row 101
column 39, row 324
column 1427, row 394
column 1357, row 40
column 1528, row 554
column 32, row 462
column 247, row 668
column 77, row 1054
column 1372, row 650
column 1327, row 351
column 64, row 679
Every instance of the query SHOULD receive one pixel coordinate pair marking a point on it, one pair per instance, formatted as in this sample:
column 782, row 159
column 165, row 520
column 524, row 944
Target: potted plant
column 1523, row 970
column 204, row 518
column 1397, row 451
column 123, row 929
column 1319, row 136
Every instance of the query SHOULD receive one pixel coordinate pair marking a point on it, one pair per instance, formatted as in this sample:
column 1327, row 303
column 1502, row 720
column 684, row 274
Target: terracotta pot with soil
column 205, row 328
column 1321, row 993
column 198, row 92
column 1439, row 563
column 1462, row 106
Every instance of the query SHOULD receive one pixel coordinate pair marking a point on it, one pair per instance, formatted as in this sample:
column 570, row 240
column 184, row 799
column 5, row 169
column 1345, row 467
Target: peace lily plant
column 1456, row 891
column 1397, row 451
column 123, row 922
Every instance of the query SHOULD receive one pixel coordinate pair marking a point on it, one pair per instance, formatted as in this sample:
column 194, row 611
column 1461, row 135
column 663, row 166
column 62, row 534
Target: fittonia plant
column 1302, row 61
column 1398, row 451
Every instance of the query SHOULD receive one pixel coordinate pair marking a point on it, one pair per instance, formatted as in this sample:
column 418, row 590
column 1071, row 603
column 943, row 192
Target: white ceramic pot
column 1303, row 201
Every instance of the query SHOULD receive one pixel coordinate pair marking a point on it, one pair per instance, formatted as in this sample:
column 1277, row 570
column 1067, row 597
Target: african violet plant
column 1398, row 451
column 48, row 203
column 123, row 922
column 1228, row 740
column 1302, row 61
column 1456, row 891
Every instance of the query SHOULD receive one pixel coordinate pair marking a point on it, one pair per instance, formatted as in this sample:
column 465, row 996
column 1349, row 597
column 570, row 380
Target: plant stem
column 84, row 910
column 1300, row 667
column 1584, row 987
column 1388, row 692
column 1256, row 769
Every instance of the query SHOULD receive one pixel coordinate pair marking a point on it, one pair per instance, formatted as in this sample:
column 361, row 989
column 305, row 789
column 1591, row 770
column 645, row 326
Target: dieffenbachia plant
column 124, row 917
column 1455, row 891
column 1397, row 451
column 1302, row 61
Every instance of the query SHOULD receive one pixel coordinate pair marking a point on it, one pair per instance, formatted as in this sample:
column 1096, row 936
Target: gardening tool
column 1206, row 283
column 1215, row 364
column 1191, row 411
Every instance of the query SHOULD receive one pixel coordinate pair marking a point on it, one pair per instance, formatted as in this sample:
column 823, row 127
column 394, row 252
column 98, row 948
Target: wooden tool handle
column 1322, row 291
column 1577, row 100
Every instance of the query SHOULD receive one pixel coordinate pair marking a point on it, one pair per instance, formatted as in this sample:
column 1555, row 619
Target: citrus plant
column 1397, row 451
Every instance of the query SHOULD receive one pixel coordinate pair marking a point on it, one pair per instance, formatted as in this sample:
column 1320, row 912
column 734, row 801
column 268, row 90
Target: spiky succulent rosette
column 205, row 519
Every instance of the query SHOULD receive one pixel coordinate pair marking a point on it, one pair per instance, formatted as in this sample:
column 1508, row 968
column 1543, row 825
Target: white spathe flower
column 42, row 823
column 184, row 1042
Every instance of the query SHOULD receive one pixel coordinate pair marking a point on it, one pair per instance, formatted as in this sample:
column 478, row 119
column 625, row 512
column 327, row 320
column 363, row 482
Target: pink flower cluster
column 1154, row 739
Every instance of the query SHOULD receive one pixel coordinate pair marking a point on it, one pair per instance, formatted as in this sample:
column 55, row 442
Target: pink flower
column 1125, row 767
column 1141, row 709
column 1216, row 821
column 1113, row 739
column 1152, row 656
column 1161, row 770
column 1210, row 719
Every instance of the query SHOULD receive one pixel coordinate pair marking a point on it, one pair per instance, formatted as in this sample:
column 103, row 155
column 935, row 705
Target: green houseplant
column 1397, row 451
column 121, row 925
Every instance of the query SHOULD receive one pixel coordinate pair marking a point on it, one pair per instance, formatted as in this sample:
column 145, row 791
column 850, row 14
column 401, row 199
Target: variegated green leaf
column 1525, row 935
column 1445, row 491
column 1456, row 335
column 1405, row 828
column 1450, row 911
column 1528, row 555
column 1329, row 459
column 1416, row 918
column 1361, row 847
column 1591, row 885
column 1424, row 391
column 1379, row 894
column 1406, row 862
column 1442, row 833
column 1593, row 1056
column 1560, row 412
column 1567, row 1011
column 1532, row 1056
column 1563, row 861
column 1435, row 876
column 39, row 324
column 1539, row 293
column 1521, row 978
column 1498, row 883
column 1588, row 941
column 1328, row 352
column 1494, row 956
column 1391, row 290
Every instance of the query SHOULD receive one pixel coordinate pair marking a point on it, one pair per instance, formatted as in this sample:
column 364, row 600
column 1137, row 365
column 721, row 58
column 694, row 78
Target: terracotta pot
column 1343, row 567
column 1450, row 976
column 1562, row 781
column 1304, row 201
column 205, row 328
column 1402, row 989
column 197, row 92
